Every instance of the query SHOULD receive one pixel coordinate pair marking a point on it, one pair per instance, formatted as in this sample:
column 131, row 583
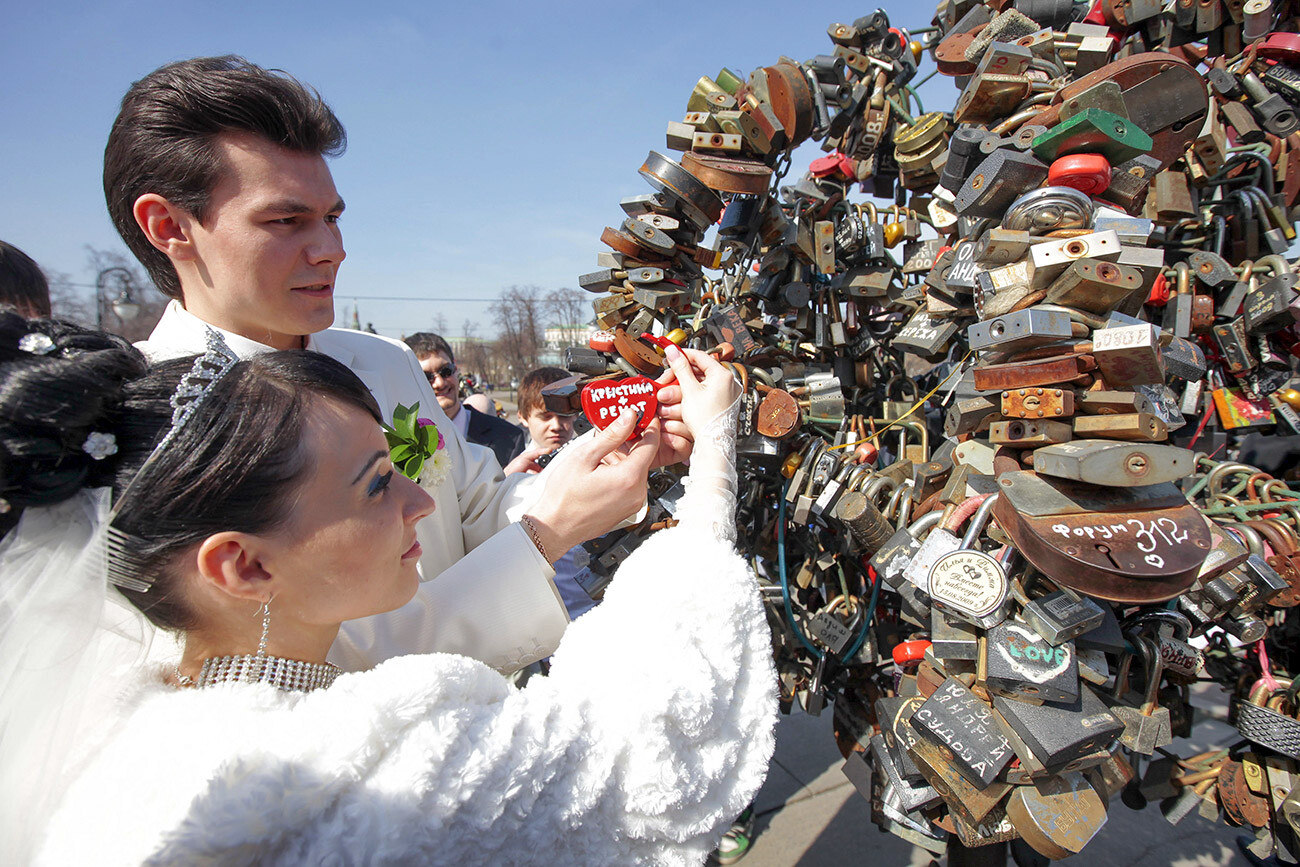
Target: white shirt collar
column 461, row 421
column 179, row 332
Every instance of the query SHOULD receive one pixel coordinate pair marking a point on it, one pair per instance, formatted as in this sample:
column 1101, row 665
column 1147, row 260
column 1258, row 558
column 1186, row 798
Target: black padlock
column 1268, row 308
column 1019, row 663
column 955, row 718
column 1058, row 733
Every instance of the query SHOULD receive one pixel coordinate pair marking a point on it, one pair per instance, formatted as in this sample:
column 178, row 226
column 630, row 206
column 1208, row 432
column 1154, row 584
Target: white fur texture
column 652, row 733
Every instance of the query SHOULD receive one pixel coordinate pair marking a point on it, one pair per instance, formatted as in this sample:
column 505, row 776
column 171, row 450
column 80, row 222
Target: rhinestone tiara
column 195, row 386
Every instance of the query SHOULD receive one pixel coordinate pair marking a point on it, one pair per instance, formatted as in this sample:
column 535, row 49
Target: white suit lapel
column 326, row 343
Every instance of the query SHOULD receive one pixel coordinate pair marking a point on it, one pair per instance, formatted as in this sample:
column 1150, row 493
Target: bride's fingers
column 671, row 412
column 669, row 395
column 681, row 366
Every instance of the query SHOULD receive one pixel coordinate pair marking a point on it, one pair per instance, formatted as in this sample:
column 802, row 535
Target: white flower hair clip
column 36, row 343
column 100, row 445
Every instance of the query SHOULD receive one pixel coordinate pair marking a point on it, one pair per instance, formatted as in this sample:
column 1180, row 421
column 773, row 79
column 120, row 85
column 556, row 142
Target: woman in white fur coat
column 269, row 515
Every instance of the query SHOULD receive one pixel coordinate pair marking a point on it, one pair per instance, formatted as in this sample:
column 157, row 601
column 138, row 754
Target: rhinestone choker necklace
column 290, row 675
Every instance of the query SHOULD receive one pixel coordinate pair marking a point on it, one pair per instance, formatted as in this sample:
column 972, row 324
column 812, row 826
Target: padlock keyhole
column 1105, row 550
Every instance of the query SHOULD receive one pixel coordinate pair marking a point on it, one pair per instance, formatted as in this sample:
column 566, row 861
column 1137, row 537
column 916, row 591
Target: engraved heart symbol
column 603, row 400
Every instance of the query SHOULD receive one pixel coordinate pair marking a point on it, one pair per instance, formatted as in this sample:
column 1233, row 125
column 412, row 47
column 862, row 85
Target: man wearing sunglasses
column 439, row 364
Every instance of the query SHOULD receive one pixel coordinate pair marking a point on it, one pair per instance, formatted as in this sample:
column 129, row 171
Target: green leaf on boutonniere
column 410, row 444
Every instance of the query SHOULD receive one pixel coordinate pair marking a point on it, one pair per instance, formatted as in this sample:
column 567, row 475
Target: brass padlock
column 1146, row 726
column 1057, row 816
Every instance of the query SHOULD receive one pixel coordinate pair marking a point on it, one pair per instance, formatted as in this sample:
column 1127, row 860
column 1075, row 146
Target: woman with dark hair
column 23, row 287
column 254, row 507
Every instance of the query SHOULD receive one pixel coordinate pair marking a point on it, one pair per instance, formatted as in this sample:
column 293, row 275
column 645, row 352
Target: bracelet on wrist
column 530, row 525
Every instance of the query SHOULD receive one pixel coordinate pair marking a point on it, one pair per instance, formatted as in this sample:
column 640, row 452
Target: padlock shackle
column 980, row 521
column 1154, row 666
column 1143, row 620
column 924, row 523
column 1214, row 480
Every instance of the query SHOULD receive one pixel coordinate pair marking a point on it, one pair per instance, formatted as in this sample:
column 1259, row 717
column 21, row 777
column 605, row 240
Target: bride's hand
column 704, row 389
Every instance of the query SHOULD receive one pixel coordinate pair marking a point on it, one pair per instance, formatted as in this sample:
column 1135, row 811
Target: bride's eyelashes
column 379, row 484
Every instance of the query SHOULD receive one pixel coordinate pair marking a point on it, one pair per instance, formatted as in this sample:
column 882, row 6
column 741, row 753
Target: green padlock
column 1093, row 131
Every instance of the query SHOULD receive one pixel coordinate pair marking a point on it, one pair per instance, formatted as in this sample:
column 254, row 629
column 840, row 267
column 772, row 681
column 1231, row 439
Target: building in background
column 557, row 338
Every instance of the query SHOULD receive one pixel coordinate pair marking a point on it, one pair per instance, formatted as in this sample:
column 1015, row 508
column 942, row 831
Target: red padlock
column 1159, row 296
column 828, row 165
column 602, row 341
column 910, row 652
column 605, row 399
column 1087, row 173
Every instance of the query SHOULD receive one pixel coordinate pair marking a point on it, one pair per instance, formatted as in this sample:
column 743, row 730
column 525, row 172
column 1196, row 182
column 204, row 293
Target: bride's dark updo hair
column 235, row 464
column 52, row 397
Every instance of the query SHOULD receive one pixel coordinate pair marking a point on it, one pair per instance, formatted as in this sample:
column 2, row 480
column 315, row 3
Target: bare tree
column 472, row 357
column 439, row 326
column 518, row 315
column 566, row 308
column 68, row 300
column 150, row 301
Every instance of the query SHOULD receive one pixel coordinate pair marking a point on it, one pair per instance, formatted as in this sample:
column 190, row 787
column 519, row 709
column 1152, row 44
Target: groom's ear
column 165, row 225
column 231, row 562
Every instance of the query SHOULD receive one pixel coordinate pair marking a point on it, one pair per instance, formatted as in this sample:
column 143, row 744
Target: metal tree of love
column 1000, row 366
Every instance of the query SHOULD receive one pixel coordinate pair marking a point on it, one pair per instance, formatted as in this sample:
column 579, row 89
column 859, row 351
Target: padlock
column 911, row 795
column 813, row 699
column 1026, row 433
column 1059, row 735
column 1053, row 370
column 1268, row 308
column 1094, row 130
column 1098, row 462
column 1128, row 355
column 1231, row 338
column 1131, row 427
column 1146, row 726
column 1023, row 329
column 959, row 722
column 1135, row 544
column 1266, row 726
column 999, row 291
column 1058, row 816
column 823, row 508
column 998, row 181
column 1019, row 663
column 953, row 638
column 868, row 529
column 1051, row 258
column 1274, row 113
column 1061, row 615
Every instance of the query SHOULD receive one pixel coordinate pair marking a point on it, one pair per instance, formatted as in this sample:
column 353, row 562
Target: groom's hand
column 595, row 484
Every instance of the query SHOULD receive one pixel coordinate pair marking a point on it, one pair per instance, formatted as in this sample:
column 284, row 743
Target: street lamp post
column 113, row 288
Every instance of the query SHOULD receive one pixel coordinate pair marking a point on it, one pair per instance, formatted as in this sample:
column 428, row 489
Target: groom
column 215, row 177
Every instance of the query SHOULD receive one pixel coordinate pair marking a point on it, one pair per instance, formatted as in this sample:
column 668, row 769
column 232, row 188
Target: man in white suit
column 215, row 177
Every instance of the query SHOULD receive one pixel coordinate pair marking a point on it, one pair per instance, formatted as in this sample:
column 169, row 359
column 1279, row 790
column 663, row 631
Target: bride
column 254, row 508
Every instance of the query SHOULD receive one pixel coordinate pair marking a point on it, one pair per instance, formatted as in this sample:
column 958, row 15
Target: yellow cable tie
column 920, row 403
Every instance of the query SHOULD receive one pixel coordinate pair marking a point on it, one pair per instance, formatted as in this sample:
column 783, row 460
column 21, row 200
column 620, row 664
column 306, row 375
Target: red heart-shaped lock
column 604, row 399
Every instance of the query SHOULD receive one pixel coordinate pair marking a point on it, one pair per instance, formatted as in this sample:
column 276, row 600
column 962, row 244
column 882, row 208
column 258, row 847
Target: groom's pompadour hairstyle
column 164, row 138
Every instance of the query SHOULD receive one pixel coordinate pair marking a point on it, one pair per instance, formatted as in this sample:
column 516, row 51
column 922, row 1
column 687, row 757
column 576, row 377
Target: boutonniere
column 417, row 448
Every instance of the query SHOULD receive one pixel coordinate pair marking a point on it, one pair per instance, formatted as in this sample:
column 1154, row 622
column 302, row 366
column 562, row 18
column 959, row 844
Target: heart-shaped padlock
column 604, row 399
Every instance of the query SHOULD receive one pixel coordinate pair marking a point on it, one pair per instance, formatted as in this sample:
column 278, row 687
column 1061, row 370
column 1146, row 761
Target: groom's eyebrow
column 370, row 463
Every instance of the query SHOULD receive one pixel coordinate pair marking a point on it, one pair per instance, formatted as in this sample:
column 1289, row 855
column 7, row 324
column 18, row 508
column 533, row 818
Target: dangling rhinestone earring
column 261, row 643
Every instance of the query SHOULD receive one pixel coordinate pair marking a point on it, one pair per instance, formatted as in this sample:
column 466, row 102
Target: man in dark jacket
column 439, row 364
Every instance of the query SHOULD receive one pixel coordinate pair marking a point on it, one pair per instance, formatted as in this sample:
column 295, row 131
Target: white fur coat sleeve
column 652, row 733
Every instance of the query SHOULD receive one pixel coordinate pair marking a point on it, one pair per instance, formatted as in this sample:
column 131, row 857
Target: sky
column 488, row 143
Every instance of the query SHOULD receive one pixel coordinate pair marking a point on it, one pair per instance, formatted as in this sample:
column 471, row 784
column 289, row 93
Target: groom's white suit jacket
column 493, row 598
